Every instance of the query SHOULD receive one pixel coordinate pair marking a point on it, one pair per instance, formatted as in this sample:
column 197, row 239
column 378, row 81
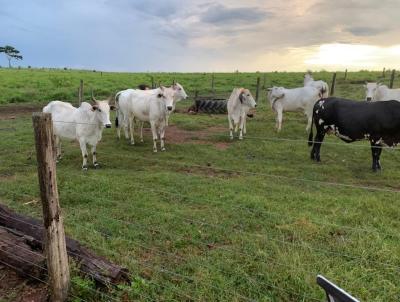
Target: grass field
column 211, row 219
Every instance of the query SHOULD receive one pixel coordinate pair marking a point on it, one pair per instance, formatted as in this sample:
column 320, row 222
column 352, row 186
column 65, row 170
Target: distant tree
column 11, row 53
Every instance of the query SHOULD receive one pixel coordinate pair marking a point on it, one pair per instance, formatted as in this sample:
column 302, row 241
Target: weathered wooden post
column 55, row 247
column 264, row 82
column 212, row 84
column 345, row 75
column 152, row 82
column 258, row 89
column 392, row 78
column 384, row 72
column 333, row 84
column 80, row 92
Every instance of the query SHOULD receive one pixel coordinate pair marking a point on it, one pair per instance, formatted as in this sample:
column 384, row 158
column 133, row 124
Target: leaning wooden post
column 152, row 82
column 333, row 84
column 392, row 78
column 55, row 247
column 384, row 72
column 258, row 89
column 345, row 75
column 80, row 92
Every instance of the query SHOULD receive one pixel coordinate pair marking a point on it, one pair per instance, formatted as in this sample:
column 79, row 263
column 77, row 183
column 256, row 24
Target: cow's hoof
column 155, row 150
column 84, row 168
column 231, row 138
column 163, row 149
column 241, row 137
column 142, row 141
column 132, row 143
column 96, row 165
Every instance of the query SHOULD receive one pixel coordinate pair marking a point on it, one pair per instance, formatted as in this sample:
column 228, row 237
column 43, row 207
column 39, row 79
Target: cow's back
column 357, row 119
column 63, row 117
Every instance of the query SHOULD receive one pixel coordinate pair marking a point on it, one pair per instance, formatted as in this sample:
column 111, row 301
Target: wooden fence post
column 345, row 75
column 264, row 82
column 55, row 247
column 80, row 92
column 392, row 79
column 212, row 84
column 384, row 72
column 258, row 89
column 333, row 84
column 152, row 83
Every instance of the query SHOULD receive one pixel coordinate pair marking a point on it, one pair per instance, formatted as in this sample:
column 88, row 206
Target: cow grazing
column 379, row 92
column 379, row 122
column 85, row 124
column 238, row 106
column 320, row 85
column 127, row 120
column 146, row 106
column 297, row 99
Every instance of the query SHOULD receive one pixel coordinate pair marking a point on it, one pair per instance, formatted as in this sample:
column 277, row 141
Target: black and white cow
column 379, row 122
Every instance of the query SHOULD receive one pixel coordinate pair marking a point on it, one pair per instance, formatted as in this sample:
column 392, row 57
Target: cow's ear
column 269, row 89
column 112, row 107
column 95, row 107
column 241, row 97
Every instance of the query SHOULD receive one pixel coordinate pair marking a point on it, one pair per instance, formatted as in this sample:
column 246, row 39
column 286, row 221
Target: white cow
column 85, row 124
column 146, row 106
column 320, row 85
column 127, row 120
column 297, row 99
column 379, row 92
column 238, row 106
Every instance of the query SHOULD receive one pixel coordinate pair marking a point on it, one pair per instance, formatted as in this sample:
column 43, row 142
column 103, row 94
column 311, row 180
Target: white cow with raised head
column 380, row 92
column 239, row 104
column 320, row 85
column 84, row 124
column 296, row 99
column 146, row 106
column 126, row 120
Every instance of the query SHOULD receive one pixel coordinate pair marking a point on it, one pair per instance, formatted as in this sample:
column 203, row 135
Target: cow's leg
column 58, row 148
column 125, row 124
column 162, row 136
column 244, row 124
column 230, row 127
column 309, row 121
column 94, row 155
column 167, row 118
column 120, row 124
column 82, row 144
column 241, row 125
column 376, row 151
column 141, row 132
column 315, row 151
column 279, row 118
column 131, row 129
column 154, row 131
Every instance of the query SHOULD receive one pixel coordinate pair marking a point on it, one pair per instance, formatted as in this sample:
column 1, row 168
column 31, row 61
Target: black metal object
column 333, row 292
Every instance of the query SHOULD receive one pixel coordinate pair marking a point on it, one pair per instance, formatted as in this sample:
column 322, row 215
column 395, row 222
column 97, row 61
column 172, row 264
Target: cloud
column 219, row 14
column 364, row 31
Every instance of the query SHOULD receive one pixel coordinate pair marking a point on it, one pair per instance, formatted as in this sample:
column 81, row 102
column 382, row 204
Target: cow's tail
column 117, row 112
column 311, row 135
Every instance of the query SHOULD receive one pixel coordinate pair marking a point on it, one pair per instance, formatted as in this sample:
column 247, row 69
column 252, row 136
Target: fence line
column 300, row 179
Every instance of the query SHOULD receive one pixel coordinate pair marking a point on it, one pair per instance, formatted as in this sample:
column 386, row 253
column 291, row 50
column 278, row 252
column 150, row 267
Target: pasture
column 212, row 219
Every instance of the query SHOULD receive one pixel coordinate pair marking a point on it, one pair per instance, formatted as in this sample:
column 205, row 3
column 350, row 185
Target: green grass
column 231, row 228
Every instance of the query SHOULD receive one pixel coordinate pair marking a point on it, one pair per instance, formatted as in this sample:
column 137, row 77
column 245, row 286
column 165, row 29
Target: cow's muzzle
column 169, row 108
column 369, row 99
column 108, row 125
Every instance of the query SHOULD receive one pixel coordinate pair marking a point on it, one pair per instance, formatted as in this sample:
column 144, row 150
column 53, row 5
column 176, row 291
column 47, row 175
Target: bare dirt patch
column 14, row 111
column 177, row 135
column 18, row 289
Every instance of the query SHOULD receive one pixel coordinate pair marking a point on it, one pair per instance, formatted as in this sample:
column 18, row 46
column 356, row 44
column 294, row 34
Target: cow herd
column 377, row 119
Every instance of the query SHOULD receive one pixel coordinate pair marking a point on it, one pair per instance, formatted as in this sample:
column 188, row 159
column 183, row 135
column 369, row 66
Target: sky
column 209, row 36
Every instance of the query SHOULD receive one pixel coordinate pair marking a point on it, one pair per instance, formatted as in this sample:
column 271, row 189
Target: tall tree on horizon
column 11, row 53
